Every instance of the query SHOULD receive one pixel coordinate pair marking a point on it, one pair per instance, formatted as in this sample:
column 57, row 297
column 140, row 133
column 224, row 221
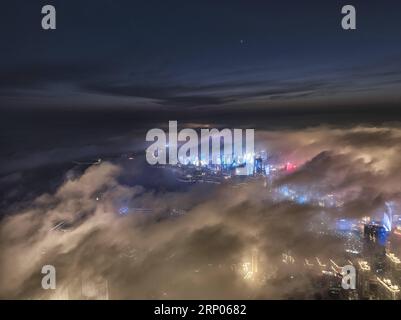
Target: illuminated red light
column 290, row 167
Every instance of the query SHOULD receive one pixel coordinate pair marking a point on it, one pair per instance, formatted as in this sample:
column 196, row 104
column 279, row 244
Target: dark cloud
column 132, row 54
column 37, row 75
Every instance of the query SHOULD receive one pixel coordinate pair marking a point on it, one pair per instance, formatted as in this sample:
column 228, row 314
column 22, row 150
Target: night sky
column 199, row 55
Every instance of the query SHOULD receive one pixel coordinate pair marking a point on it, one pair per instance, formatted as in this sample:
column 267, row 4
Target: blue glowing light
column 301, row 199
column 382, row 236
column 343, row 225
column 123, row 210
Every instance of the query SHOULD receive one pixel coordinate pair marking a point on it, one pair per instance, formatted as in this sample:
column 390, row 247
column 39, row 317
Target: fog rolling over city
column 309, row 207
column 111, row 234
